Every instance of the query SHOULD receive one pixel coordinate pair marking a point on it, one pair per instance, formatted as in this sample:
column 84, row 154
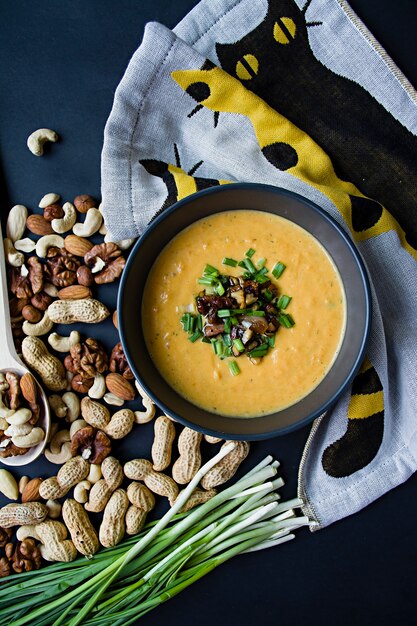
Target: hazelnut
column 41, row 301
column 53, row 212
column 31, row 314
column 80, row 384
column 84, row 202
column 85, row 276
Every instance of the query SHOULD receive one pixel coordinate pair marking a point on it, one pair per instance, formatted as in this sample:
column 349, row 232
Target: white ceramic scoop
column 10, row 361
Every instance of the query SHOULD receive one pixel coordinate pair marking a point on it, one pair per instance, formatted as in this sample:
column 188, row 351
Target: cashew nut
column 103, row 227
column 54, row 508
column 51, row 290
column 57, row 405
column 61, row 437
column 60, row 343
column 21, row 416
column 18, row 429
column 124, row 244
column 5, row 412
column 81, row 491
column 91, row 224
column 47, row 241
column 98, row 389
column 13, row 257
column 48, row 199
column 63, row 455
column 67, row 221
column 37, row 139
column 94, row 474
column 142, row 417
column 16, row 222
column 111, row 398
column 35, row 436
column 25, row 245
column 76, row 426
column 40, row 328
column 72, row 402
column 8, row 485
column 25, row 531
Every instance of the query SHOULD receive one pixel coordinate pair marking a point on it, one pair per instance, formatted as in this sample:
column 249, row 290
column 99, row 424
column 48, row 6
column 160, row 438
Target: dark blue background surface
column 60, row 65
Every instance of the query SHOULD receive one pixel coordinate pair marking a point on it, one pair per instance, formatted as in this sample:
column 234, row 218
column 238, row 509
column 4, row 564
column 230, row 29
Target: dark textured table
column 60, row 65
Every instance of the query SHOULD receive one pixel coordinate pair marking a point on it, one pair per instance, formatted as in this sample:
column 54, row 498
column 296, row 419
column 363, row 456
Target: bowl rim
column 153, row 224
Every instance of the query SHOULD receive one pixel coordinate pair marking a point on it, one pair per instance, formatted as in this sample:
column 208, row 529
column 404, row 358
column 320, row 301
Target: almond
column 74, row 292
column 120, row 386
column 38, row 225
column 31, row 491
column 77, row 245
column 29, row 388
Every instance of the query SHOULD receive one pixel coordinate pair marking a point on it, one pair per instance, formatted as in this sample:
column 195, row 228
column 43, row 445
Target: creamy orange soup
column 302, row 355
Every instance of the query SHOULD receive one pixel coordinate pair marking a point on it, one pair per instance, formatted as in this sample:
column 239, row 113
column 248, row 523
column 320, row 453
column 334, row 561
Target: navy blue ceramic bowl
column 259, row 198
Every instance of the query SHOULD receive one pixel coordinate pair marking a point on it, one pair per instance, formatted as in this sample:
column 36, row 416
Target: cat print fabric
column 237, row 94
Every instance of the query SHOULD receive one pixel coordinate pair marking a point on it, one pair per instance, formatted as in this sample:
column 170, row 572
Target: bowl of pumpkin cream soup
column 244, row 311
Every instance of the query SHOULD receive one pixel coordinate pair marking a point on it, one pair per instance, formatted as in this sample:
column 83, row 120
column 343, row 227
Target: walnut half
column 92, row 444
column 106, row 262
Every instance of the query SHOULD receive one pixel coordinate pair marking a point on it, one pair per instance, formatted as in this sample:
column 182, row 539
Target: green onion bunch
column 119, row 585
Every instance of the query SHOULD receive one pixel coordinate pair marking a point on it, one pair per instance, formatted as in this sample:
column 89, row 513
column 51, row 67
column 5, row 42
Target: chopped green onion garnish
column 259, row 351
column 243, row 312
column 207, row 280
column 228, row 261
column 284, row 301
column 271, row 341
column 278, row 269
column 227, row 340
column 205, row 340
column 239, row 345
column 211, row 271
column 227, row 325
column 224, row 313
column 219, row 289
column 260, row 263
column 250, row 253
column 286, row 320
column 219, row 347
column 249, row 265
column 234, row 320
column 268, row 295
column 199, row 322
column 262, row 279
column 262, row 271
column 234, row 368
column 193, row 338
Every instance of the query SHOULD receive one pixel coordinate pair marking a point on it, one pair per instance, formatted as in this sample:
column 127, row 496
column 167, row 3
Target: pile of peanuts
column 51, row 279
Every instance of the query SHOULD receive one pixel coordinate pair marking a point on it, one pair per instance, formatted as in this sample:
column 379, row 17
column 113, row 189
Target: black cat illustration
column 179, row 183
column 366, row 144
column 365, row 426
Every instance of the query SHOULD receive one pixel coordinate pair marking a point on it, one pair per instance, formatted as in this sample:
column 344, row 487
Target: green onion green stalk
column 119, row 585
